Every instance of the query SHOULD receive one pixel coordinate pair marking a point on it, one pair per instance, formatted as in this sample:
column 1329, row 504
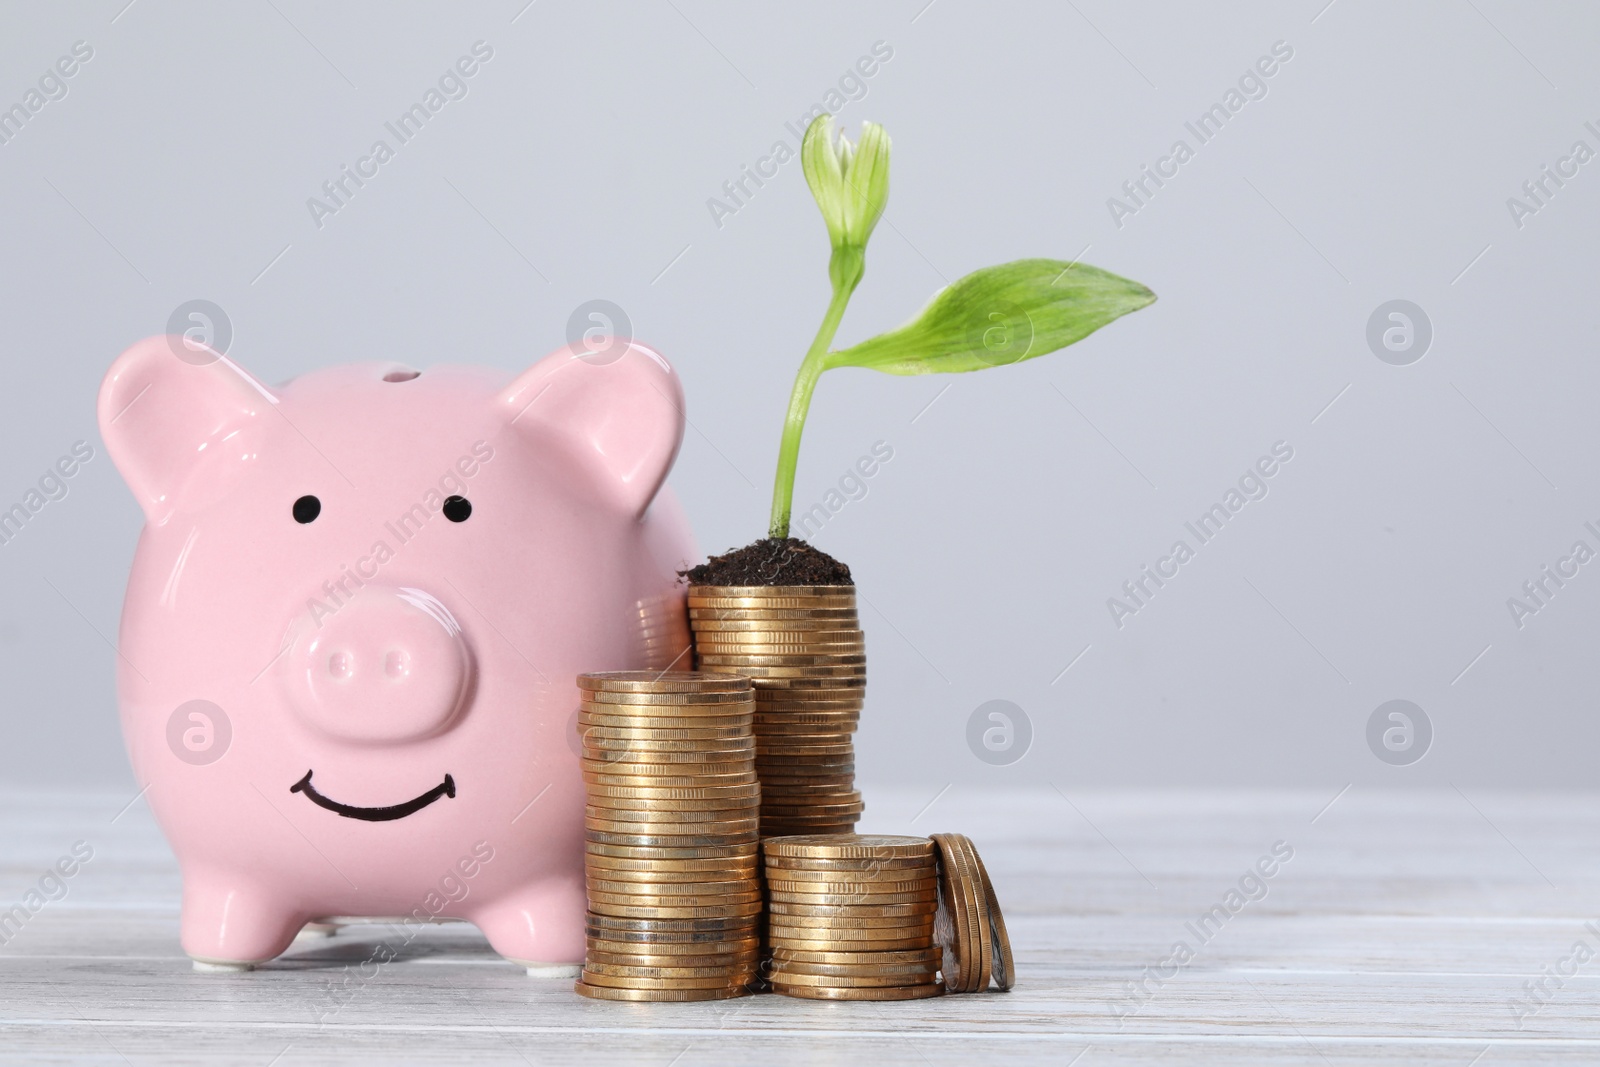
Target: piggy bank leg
column 231, row 924
column 539, row 927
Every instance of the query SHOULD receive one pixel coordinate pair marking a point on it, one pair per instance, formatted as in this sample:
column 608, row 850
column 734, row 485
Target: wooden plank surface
column 1401, row 930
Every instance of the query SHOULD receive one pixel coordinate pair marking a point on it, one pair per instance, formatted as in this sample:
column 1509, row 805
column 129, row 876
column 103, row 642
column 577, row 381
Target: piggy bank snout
column 389, row 665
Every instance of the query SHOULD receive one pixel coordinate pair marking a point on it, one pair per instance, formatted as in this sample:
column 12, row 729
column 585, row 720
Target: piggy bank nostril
column 396, row 664
column 341, row 665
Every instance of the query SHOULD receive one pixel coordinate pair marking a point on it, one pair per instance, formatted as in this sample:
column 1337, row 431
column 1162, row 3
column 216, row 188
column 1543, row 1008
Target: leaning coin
column 1005, row 971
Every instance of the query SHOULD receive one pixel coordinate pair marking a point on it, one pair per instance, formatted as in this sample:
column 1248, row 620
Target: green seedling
column 990, row 318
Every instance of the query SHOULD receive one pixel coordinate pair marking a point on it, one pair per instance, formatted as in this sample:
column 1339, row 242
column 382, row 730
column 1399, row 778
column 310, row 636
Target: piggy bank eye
column 457, row 508
column 307, row 508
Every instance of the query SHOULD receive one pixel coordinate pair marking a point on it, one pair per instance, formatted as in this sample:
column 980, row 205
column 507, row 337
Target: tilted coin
column 1004, row 967
column 957, row 921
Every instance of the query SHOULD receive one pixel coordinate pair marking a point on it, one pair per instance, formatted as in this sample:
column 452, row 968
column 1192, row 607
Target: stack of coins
column 670, row 836
column 804, row 649
column 968, row 926
column 851, row 917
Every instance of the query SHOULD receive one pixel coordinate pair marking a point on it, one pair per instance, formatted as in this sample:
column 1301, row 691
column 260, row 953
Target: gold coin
column 914, row 992
column 692, row 894
column 856, row 846
column 922, row 971
column 802, row 641
column 784, row 808
column 918, row 864
column 640, row 807
column 719, row 981
column 624, row 772
column 724, row 747
column 857, row 959
column 591, row 733
column 821, row 944
column 821, row 913
column 665, row 703
column 649, row 882
column 781, row 762
column 679, row 854
column 725, row 971
column 957, row 921
column 829, row 923
column 843, row 936
column 661, row 682
column 705, row 928
column 720, row 623
column 743, row 720
column 686, row 780
column 847, row 618
column 777, row 729
column 673, row 995
column 633, row 910
column 983, row 931
column 1004, row 966
column 669, row 841
column 736, row 791
column 856, row 897
column 869, row 941
column 783, row 976
column 786, row 659
column 761, row 592
column 629, row 820
column 727, row 872
column 667, row 954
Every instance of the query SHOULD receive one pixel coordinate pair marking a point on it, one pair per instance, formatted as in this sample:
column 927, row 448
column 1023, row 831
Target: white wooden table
column 1401, row 931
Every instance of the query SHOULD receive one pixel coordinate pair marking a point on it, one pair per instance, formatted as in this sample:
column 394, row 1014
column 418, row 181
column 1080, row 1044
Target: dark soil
column 771, row 561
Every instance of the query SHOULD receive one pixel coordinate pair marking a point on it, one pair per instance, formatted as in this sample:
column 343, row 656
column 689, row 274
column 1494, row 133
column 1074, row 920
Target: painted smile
column 447, row 788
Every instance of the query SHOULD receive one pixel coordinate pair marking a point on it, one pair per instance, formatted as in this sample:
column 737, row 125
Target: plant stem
column 794, row 422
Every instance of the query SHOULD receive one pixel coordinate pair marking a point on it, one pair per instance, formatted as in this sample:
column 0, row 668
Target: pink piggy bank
column 353, row 625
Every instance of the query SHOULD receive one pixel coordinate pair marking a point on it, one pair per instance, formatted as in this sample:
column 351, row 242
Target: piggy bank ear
column 167, row 409
column 617, row 410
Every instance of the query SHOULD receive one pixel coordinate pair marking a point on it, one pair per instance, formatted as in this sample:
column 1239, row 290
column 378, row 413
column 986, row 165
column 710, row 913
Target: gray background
column 1018, row 500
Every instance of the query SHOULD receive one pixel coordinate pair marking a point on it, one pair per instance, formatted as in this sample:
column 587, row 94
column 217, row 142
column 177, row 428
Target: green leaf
column 1000, row 315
